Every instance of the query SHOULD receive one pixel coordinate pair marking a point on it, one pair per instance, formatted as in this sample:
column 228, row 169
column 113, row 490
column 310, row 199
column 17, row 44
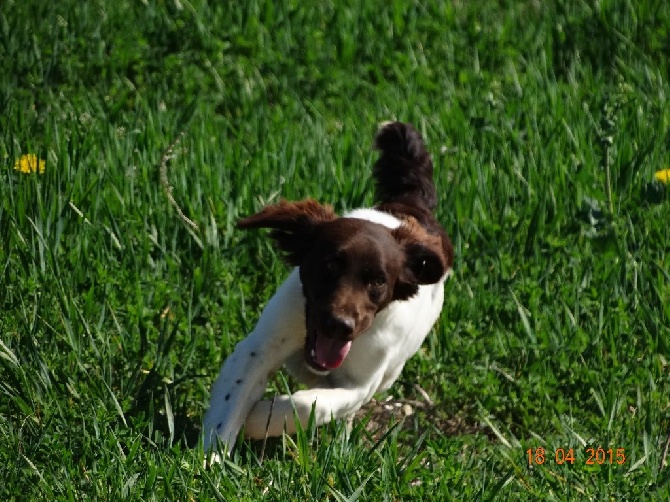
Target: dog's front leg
column 241, row 383
column 272, row 417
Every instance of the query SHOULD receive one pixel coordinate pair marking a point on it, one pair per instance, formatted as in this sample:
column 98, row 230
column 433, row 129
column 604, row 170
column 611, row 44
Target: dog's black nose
column 338, row 326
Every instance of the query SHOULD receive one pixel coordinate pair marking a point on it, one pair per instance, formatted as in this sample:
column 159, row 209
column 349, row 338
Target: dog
column 365, row 292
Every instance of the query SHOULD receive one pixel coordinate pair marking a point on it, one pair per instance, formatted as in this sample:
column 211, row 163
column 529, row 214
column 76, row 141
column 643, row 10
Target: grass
column 547, row 122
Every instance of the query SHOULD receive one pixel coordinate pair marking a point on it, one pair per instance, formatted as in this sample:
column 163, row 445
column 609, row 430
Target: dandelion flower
column 29, row 164
column 663, row 176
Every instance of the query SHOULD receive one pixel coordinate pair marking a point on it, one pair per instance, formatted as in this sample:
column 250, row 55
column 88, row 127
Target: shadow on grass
column 375, row 422
column 158, row 414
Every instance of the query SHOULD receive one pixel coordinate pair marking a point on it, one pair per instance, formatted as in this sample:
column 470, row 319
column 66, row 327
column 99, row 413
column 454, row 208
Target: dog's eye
column 331, row 266
column 377, row 282
column 420, row 266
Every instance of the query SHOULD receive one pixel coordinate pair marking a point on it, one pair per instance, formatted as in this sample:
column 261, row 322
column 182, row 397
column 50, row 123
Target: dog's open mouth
column 324, row 353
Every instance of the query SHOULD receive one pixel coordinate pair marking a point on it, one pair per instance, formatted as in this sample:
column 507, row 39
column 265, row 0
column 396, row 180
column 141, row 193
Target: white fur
column 374, row 362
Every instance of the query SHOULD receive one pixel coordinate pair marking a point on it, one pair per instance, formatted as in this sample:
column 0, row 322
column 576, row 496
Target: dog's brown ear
column 293, row 225
column 425, row 259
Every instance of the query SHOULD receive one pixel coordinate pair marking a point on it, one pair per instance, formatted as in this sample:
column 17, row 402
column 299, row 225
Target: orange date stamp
column 560, row 456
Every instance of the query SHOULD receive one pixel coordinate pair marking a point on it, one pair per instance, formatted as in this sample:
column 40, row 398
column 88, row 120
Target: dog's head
column 350, row 269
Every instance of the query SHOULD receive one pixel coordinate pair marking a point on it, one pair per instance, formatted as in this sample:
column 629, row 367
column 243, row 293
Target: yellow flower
column 663, row 176
column 29, row 164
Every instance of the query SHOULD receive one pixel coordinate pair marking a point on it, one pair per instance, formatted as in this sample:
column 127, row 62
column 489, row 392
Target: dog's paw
column 219, row 440
column 212, row 458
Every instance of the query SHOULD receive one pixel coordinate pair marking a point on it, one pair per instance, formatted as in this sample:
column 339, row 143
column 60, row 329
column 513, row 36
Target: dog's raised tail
column 404, row 171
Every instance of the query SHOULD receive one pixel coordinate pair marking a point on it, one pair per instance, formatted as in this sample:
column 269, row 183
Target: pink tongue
column 329, row 352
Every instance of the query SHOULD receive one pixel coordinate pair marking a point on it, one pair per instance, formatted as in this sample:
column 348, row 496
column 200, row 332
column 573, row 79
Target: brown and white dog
column 366, row 290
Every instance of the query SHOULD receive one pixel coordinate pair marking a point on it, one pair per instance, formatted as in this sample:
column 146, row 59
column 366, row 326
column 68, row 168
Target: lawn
column 124, row 283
